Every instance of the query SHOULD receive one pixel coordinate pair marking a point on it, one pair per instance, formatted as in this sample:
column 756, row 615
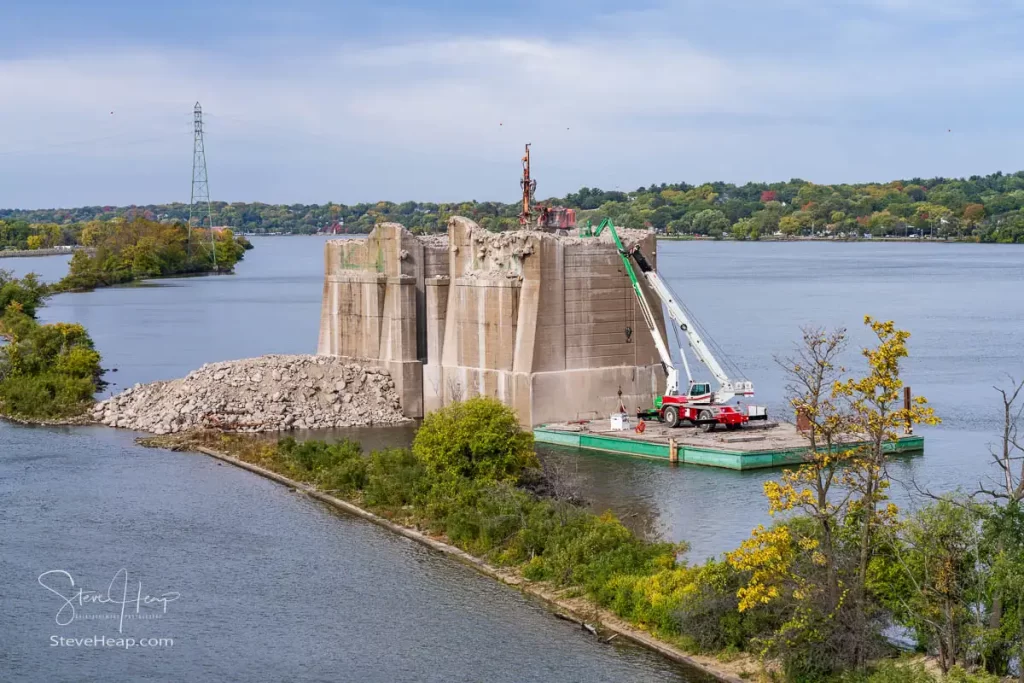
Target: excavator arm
column 672, row 374
column 727, row 388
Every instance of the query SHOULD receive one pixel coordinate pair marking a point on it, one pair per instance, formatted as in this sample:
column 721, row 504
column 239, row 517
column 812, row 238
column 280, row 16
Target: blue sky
column 316, row 101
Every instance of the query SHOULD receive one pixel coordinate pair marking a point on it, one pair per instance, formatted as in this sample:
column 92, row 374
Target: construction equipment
column 699, row 405
column 553, row 218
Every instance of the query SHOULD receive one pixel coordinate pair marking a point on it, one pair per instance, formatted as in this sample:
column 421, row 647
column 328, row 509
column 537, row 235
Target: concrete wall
column 548, row 325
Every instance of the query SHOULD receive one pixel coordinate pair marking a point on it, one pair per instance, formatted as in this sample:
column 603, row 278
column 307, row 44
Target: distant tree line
column 980, row 208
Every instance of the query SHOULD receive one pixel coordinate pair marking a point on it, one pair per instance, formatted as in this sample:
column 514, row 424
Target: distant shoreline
column 18, row 253
column 897, row 240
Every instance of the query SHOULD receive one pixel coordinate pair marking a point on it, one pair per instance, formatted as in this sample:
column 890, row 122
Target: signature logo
column 75, row 599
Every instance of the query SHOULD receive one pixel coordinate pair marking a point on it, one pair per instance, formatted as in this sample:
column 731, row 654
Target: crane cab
column 700, row 392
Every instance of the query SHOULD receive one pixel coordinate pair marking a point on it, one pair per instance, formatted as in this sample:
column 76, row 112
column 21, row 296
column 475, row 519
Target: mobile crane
column 699, row 405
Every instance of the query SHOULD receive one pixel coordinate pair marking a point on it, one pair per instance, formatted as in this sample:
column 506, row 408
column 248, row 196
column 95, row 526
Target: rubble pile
column 265, row 394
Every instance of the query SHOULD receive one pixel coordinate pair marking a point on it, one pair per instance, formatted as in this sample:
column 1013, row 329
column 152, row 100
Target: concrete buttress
column 546, row 324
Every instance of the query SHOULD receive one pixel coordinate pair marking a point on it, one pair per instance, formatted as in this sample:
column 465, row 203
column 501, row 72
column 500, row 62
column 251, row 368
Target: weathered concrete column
column 437, row 310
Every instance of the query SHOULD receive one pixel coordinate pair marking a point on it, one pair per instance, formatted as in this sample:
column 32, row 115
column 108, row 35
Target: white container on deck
column 620, row 421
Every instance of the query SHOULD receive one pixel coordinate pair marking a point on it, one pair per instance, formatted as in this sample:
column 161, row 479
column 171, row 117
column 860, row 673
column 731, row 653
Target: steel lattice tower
column 199, row 208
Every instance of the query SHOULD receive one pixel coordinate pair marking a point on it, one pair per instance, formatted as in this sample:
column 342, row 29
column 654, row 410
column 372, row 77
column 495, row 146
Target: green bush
column 394, row 478
column 316, row 456
column 487, row 516
column 334, row 467
column 587, row 550
column 475, row 439
column 47, row 395
column 46, row 371
column 344, row 477
column 28, row 292
column 889, row 671
column 710, row 616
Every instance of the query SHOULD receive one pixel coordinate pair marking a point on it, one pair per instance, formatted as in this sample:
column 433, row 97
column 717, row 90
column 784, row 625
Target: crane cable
column 715, row 347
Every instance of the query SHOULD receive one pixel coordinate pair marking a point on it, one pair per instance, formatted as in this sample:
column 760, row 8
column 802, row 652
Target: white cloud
column 307, row 121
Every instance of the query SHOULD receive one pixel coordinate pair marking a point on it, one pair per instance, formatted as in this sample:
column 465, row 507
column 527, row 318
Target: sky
column 313, row 101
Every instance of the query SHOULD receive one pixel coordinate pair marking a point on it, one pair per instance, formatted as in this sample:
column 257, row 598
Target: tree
column 35, row 241
column 28, row 292
column 815, row 487
column 477, row 439
column 710, row 221
column 790, row 225
column 876, row 413
column 805, row 566
column 936, row 551
column 974, row 213
column 1004, row 531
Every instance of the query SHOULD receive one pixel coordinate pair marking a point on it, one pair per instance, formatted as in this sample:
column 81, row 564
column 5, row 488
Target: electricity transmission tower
column 199, row 209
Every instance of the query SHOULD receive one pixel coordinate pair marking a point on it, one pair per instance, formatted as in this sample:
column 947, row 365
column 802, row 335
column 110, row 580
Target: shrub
column 649, row 600
column 587, row 550
column 315, row 457
column 344, row 477
column 486, row 516
column 47, row 396
column 475, row 439
column 394, row 478
column 710, row 616
column 28, row 292
column 46, row 371
column 889, row 671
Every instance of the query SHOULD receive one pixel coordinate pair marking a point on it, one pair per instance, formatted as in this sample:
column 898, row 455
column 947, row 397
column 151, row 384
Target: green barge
column 770, row 445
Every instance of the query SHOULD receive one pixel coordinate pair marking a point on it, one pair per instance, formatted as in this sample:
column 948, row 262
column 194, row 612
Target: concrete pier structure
column 549, row 325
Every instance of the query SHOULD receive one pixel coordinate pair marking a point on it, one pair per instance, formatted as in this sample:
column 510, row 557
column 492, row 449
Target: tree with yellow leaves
column 812, row 565
column 877, row 414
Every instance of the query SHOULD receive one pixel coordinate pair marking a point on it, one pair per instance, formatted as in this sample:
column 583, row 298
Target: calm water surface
column 962, row 303
column 275, row 587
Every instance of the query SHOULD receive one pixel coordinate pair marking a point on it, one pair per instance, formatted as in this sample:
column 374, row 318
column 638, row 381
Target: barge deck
column 753, row 447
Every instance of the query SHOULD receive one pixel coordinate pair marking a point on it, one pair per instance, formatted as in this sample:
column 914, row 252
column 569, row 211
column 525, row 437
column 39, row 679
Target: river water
column 271, row 585
column 275, row 587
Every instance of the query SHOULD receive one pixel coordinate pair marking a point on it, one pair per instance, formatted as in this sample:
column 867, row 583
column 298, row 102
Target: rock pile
column 269, row 393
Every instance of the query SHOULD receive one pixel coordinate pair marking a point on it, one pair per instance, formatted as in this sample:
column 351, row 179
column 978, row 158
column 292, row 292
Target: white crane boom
column 728, row 388
column 671, row 373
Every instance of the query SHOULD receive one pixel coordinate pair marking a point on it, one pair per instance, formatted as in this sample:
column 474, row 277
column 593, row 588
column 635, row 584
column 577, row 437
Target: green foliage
column 28, row 292
column 337, row 467
column 395, row 478
column 960, row 675
column 892, row 672
column 46, row 371
column 587, row 550
column 476, row 439
column 709, row 615
column 140, row 248
column 935, row 552
column 977, row 208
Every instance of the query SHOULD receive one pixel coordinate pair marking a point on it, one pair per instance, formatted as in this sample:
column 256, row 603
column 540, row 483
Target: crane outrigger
column 700, row 404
